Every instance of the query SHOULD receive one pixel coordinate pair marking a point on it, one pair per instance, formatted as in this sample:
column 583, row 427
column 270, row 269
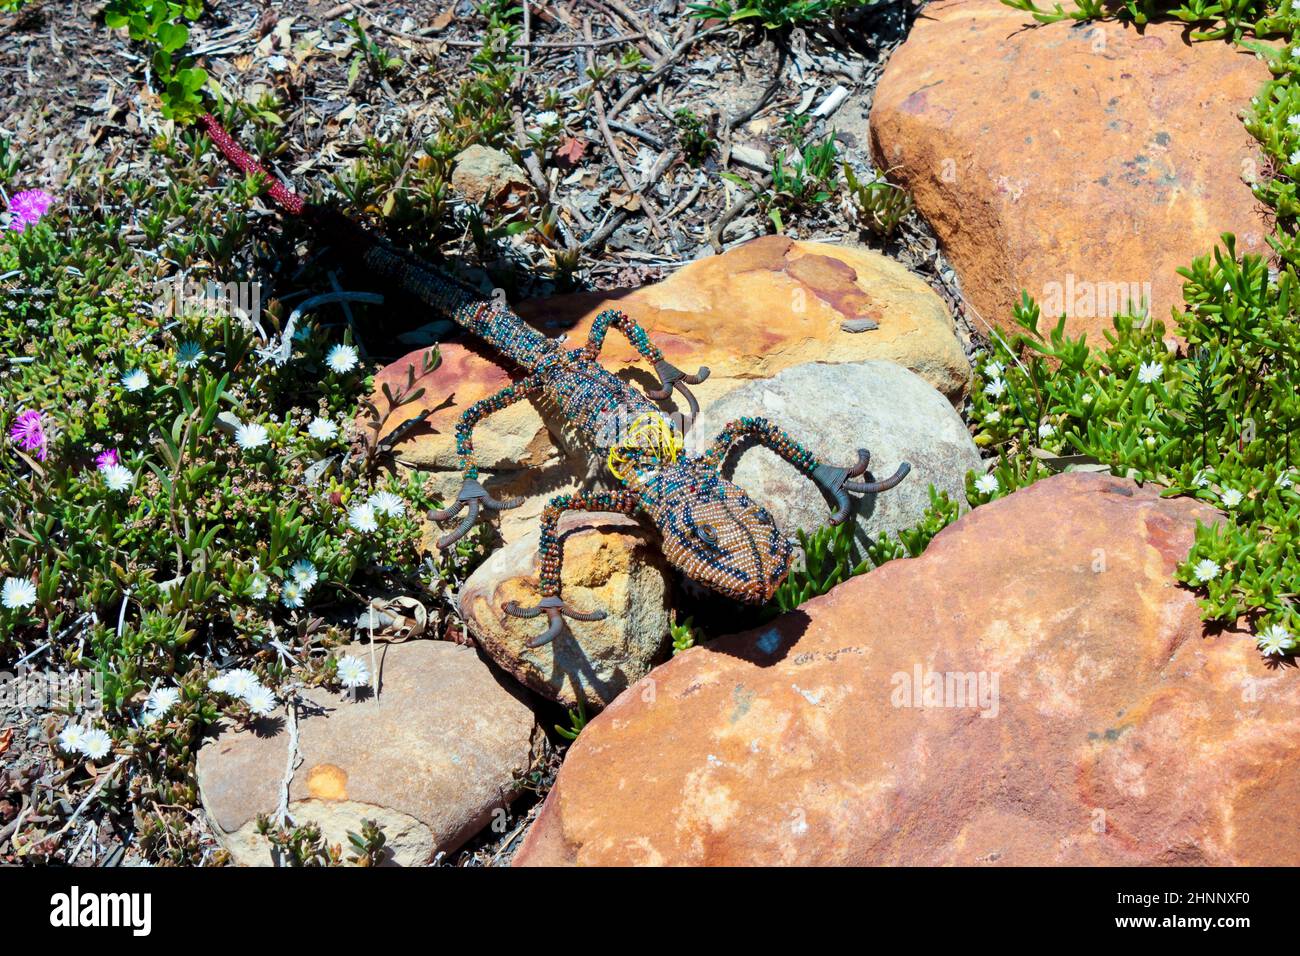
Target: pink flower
column 106, row 459
column 28, row 431
column 27, row 207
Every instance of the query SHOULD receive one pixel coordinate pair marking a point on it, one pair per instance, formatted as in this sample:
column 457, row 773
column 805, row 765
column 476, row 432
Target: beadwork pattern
column 711, row 530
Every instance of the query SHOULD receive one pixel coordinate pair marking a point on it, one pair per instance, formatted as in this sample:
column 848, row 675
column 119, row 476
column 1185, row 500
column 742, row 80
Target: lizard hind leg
column 550, row 557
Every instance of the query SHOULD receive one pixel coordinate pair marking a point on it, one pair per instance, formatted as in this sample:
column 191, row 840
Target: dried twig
column 598, row 104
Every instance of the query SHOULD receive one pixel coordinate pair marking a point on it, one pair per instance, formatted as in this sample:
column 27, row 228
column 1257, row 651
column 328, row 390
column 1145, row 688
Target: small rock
column 611, row 563
column 431, row 758
column 482, row 175
column 1070, row 710
column 859, row 325
column 835, row 410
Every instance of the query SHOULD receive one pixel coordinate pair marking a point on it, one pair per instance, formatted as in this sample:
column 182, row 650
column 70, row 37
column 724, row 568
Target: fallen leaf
column 571, row 150
column 6, row 738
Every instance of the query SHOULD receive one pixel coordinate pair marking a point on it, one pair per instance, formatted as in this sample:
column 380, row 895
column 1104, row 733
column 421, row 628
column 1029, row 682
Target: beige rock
column 1082, row 164
column 484, row 175
column 611, row 563
column 428, row 766
column 770, row 304
column 1081, row 715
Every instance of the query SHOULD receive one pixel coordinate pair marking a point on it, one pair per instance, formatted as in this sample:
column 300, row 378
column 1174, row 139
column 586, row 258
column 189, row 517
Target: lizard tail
column 285, row 197
column 461, row 303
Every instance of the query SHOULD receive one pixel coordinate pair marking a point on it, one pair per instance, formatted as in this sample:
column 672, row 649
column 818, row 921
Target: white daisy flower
column 1293, row 120
column 994, row 369
column 1201, row 481
column 220, row 684
column 547, row 118
column 387, row 503
column 1231, row 498
column 986, row 484
column 362, row 517
column 96, row 744
column 189, row 354
column 1286, row 481
column 1149, row 372
column 1205, row 570
column 1086, row 398
column 241, row 682
column 118, row 477
column 353, row 672
column 342, row 359
column 71, row 738
column 291, row 593
column 1295, row 52
column 257, row 588
column 322, row 429
column 136, row 380
column 17, row 592
column 1046, row 430
column 260, row 701
column 993, row 417
column 161, row 700
column 1294, row 158
column 1275, row 639
column 250, row 436
column 303, row 573
column 995, row 388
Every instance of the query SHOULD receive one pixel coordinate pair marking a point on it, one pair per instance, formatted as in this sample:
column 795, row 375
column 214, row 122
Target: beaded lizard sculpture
column 711, row 530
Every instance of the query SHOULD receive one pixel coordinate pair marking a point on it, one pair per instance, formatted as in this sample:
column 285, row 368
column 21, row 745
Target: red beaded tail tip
column 286, row 198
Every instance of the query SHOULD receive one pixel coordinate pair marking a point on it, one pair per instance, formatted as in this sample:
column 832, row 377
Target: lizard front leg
column 473, row 495
column 670, row 376
column 837, row 482
column 551, row 555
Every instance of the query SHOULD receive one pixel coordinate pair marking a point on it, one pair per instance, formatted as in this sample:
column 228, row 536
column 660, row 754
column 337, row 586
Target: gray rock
column 834, row 410
column 432, row 757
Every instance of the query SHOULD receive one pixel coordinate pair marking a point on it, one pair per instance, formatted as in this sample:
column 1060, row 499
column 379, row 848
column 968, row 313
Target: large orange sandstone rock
column 1034, row 689
column 1082, row 163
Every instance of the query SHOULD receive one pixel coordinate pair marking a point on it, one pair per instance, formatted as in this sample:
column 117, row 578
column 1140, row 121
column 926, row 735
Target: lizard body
column 710, row 529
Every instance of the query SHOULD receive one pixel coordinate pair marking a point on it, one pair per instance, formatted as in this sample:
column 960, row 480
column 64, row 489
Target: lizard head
column 716, row 535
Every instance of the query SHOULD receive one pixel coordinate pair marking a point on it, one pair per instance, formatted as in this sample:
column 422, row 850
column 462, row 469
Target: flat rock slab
column 611, row 563
column 431, row 757
column 1035, row 689
column 769, row 304
column 835, row 410
column 1080, row 162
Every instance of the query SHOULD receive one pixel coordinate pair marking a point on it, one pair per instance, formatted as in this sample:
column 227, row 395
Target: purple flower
column 28, row 430
column 27, row 207
column 106, row 459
